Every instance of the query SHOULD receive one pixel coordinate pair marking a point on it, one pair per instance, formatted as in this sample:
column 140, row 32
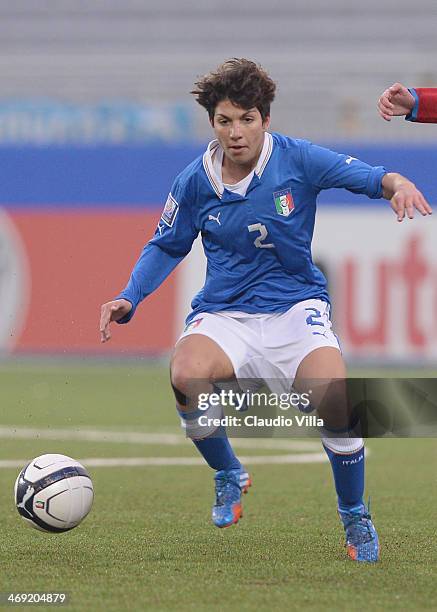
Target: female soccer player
column 263, row 312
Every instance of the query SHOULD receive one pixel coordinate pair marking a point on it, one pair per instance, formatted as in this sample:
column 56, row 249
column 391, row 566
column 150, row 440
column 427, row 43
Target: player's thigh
column 198, row 357
column 324, row 362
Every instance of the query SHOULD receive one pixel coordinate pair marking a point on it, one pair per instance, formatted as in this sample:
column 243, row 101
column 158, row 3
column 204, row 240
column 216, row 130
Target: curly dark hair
column 239, row 80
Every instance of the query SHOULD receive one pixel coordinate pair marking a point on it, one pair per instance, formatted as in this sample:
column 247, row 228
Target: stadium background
column 96, row 120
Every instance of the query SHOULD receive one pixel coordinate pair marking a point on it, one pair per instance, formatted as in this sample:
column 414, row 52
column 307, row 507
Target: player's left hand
column 404, row 196
column 408, row 198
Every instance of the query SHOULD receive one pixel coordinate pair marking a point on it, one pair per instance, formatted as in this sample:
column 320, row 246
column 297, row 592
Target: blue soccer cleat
column 229, row 485
column 361, row 538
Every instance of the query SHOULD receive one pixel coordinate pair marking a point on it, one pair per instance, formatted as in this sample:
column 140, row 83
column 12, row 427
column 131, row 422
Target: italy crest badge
column 283, row 202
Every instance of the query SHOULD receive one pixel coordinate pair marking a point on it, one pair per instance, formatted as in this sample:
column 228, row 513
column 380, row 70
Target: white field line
column 179, row 461
column 158, row 439
column 303, row 451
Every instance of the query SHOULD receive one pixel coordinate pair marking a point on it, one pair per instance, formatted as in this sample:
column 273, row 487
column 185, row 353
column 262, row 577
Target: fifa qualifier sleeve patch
column 170, row 211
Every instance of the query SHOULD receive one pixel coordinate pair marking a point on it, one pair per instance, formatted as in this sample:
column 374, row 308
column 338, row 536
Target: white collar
column 216, row 181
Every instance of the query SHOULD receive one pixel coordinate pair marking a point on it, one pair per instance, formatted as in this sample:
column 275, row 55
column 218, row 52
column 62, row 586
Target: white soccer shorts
column 269, row 347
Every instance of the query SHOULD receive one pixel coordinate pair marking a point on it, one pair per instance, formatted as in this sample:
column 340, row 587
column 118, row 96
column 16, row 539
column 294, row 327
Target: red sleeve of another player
column 427, row 111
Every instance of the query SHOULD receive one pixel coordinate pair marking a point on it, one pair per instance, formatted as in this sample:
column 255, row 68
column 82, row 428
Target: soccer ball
column 53, row 493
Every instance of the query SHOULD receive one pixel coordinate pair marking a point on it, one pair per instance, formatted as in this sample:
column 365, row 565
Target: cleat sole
column 371, row 557
column 352, row 552
column 238, row 514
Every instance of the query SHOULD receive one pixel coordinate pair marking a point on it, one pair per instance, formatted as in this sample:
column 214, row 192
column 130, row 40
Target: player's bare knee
column 333, row 406
column 190, row 377
column 186, row 372
column 197, row 362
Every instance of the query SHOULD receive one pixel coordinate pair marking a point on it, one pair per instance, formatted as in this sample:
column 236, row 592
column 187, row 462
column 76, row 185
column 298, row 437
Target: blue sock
column 348, row 470
column 215, row 449
column 217, row 452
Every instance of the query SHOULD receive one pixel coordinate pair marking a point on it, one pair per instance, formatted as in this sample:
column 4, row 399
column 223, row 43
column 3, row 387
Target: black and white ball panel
column 47, row 464
column 54, row 493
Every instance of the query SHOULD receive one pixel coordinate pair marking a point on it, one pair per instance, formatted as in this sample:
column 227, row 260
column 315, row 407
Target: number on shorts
column 316, row 314
column 258, row 242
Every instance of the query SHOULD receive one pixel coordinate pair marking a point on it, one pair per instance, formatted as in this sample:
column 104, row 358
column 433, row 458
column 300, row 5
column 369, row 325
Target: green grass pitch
column 148, row 543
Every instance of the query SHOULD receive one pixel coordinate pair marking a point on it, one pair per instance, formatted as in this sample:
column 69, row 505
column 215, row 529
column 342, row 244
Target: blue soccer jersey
column 257, row 245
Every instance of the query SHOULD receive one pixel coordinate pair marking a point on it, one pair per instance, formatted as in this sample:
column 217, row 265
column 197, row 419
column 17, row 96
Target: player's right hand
column 112, row 311
column 395, row 101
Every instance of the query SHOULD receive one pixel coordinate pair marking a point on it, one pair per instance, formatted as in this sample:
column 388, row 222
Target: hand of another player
column 404, row 197
column 112, row 311
column 395, row 101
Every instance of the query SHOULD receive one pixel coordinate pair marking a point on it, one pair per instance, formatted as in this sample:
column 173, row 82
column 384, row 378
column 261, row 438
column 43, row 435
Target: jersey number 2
column 259, row 240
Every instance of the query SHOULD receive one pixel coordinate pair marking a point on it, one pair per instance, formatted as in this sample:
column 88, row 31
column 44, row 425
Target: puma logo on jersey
column 350, row 159
column 212, row 218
